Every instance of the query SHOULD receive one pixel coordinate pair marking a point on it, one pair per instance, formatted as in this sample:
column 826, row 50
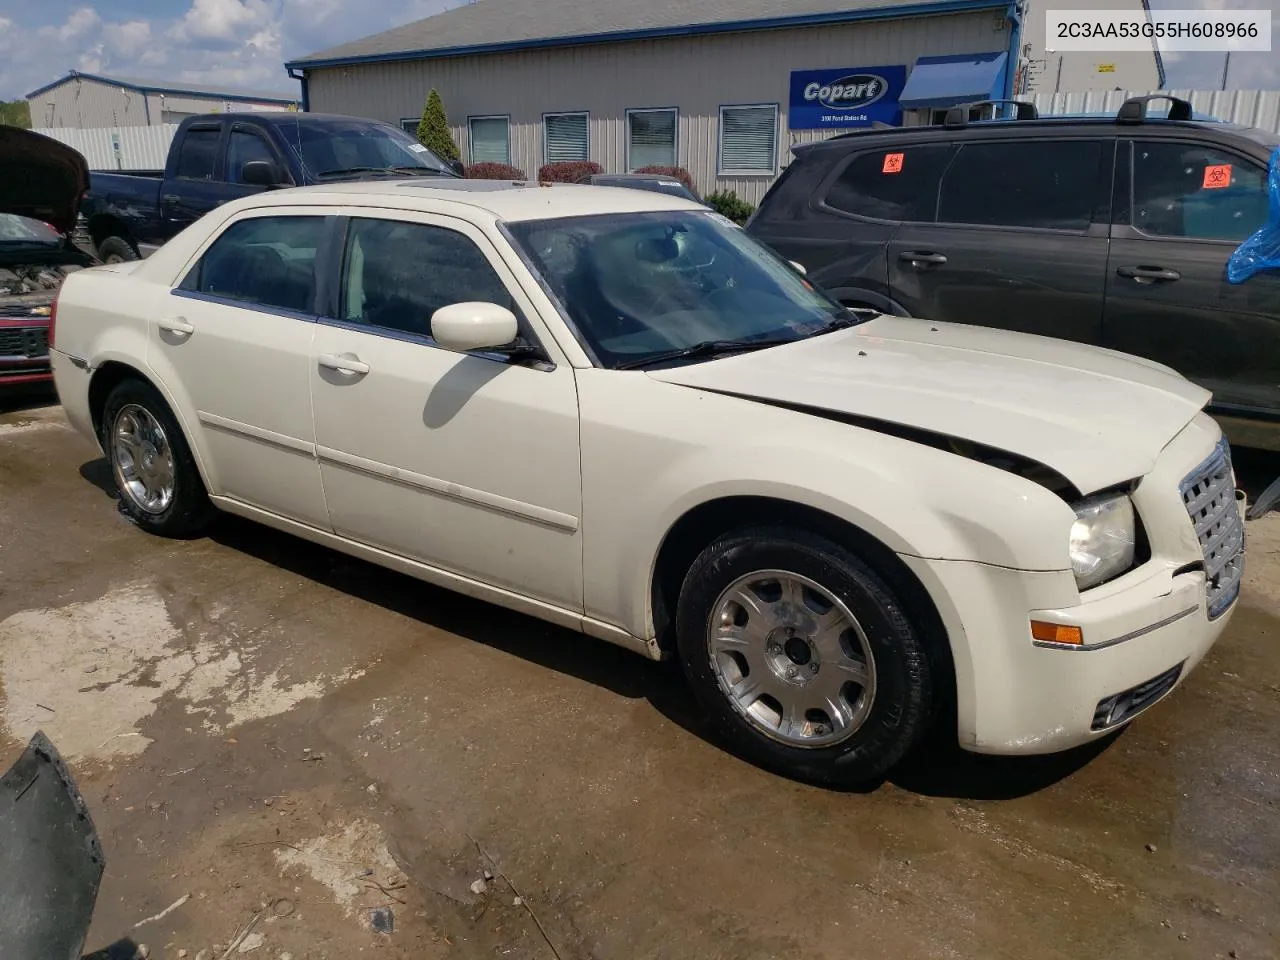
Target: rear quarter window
column 891, row 183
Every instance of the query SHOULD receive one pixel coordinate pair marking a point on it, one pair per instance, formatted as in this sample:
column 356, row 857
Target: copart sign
column 857, row 97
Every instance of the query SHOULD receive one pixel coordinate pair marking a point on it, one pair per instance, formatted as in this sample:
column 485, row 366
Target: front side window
column 642, row 284
column 198, row 154
column 396, row 275
column 651, row 138
column 266, row 261
column 1196, row 191
column 894, row 183
column 748, row 140
column 1049, row 184
column 490, row 139
column 244, row 147
column 566, row 136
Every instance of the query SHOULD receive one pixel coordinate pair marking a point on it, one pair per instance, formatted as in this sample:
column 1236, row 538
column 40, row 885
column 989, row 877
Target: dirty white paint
column 338, row 859
column 89, row 674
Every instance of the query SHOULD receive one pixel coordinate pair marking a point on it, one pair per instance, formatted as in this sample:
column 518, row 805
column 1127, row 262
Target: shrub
column 433, row 128
column 728, row 204
column 675, row 173
column 568, row 171
column 494, row 171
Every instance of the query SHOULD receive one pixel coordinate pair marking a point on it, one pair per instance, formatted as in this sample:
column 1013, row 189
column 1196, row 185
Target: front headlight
column 1102, row 539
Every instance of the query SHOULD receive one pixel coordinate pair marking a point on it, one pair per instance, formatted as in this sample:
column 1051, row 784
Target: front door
column 208, row 171
column 1019, row 242
column 469, row 463
column 1188, row 208
column 235, row 336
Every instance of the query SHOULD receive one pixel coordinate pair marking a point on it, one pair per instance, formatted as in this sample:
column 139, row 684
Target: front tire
column 803, row 656
column 160, row 486
column 116, row 250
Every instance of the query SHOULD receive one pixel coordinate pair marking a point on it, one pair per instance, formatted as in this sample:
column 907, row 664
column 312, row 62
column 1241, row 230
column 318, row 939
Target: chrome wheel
column 791, row 659
column 142, row 459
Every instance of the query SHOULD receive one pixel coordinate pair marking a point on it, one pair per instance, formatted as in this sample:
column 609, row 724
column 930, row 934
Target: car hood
column 1098, row 417
column 41, row 178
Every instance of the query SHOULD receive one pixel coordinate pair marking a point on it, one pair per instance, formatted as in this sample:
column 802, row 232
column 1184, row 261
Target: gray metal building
column 722, row 88
column 88, row 101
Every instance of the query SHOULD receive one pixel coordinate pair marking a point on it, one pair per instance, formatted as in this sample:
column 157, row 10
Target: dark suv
column 1113, row 231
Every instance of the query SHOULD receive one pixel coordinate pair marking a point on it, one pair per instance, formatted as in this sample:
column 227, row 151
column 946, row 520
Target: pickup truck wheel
column 160, row 487
column 803, row 656
column 116, row 250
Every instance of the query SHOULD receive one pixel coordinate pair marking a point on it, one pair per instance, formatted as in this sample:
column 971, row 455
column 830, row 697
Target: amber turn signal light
column 1056, row 633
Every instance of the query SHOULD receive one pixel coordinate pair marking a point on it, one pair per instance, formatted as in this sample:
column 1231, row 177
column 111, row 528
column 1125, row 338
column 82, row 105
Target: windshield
column 641, row 285
column 335, row 147
column 672, row 188
column 23, row 230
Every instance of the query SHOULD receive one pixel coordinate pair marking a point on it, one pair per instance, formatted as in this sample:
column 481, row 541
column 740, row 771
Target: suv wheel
column 160, row 487
column 803, row 656
column 116, row 250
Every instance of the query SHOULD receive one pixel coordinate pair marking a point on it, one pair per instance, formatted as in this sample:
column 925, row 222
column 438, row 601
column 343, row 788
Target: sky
column 244, row 43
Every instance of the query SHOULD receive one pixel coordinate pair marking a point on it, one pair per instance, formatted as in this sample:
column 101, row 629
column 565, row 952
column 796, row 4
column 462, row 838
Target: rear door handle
column 176, row 325
column 1149, row 274
column 922, row 258
column 350, row 365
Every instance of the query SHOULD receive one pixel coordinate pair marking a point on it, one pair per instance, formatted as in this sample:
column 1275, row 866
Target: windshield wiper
column 704, row 349
column 424, row 171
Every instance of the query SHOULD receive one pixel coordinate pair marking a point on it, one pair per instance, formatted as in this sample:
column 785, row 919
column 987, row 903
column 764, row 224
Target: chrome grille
column 24, row 341
column 1210, row 498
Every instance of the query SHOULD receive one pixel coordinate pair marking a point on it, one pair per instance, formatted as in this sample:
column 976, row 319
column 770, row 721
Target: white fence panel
column 1253, row 108
column 119, row 148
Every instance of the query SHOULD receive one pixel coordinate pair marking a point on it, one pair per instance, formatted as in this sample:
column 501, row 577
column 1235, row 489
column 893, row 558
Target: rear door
column 1182, row 208
column 1019, row 240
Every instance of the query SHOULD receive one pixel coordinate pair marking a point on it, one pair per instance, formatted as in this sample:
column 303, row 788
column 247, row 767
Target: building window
column 410, row 125
column 651, row 138
column 749, row 139
column 490, row 139
column 565, row 137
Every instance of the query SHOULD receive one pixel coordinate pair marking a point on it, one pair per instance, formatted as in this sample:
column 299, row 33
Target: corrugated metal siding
column 85, row 104
column 1252, row 108
column 140, row 148
column 696, row 74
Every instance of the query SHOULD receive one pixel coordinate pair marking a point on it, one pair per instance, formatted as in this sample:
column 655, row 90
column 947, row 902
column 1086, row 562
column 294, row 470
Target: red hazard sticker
column 1217, row 176
column 892, row 163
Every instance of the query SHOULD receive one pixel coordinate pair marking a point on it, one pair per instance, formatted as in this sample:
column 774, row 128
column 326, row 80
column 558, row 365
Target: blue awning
column 937, row 82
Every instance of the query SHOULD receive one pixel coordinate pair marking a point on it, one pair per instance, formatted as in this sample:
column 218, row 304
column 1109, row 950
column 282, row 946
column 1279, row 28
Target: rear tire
column 116, row 250
column 154, row 470
column 803, row 656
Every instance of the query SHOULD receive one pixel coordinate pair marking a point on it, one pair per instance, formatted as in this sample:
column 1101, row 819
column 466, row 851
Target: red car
column 41, row 182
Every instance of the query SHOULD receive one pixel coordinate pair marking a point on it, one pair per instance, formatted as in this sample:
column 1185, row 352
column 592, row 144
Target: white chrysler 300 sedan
column 614, row 410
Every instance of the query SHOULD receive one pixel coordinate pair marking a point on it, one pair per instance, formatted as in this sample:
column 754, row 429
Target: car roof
column 508, row 200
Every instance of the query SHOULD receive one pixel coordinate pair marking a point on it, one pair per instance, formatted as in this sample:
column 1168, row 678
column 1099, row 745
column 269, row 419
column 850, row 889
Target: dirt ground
column 278, row 738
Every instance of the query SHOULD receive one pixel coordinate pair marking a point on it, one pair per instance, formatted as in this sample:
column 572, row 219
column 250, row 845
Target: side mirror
column 473, row 326
column 260, row 173
column 799, row 267
column 457, row 167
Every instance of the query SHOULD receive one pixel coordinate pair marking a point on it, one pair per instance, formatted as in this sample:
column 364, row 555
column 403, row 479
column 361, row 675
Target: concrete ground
column 276, row 737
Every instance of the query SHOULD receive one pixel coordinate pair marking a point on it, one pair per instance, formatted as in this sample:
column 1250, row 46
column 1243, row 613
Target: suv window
column 894, row 183
column 243, row 147
column 269, row 261
column 1050, row 184
column 1196, row 191
column 198, row 153
column 396, row 275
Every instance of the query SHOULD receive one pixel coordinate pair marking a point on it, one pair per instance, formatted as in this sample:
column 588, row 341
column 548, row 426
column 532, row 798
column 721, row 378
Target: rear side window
column 397, row 275
column 1049, row 184
column 896, row 183
column 1196, row 191
column 198, row 153
column 266, row 261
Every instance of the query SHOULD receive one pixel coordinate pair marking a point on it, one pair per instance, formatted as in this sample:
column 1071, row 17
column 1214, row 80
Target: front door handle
column 1149, row 274
column 350, row 365
column 918, row 258
column 176, row 325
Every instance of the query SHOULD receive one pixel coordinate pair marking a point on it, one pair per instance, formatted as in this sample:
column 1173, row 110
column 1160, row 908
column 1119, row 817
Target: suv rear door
column 1182, row 207
column 1018, row 240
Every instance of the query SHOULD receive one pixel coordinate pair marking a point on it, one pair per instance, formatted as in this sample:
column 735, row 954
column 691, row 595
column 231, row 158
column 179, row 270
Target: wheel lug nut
column 792, row 672
column 813, row 667
column 774, row 648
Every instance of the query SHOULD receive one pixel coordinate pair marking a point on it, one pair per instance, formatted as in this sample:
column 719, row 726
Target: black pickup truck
column 215, row 158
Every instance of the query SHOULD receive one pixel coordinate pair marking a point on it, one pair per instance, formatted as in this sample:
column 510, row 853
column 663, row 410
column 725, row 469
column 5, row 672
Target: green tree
column 433, row 129
column 15, row 113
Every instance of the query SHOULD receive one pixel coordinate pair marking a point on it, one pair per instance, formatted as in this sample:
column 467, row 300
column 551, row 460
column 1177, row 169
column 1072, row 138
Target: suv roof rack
column 958, row 116
column 1134, row 110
